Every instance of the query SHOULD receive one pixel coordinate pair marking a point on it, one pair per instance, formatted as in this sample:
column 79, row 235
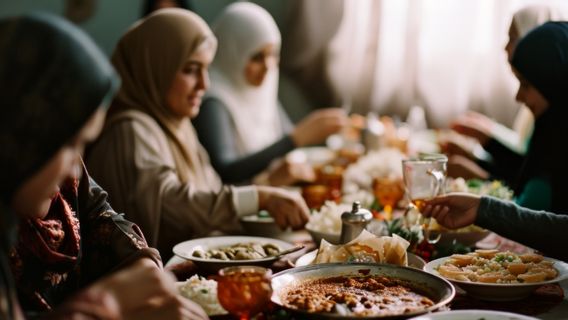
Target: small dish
column 499, row 291
column 473, row 315
column 185, row 250
column 262, row 226
column 317, row 236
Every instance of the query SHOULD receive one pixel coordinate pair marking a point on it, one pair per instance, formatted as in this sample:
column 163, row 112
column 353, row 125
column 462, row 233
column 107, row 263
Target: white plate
column 185, row 250
column 499, row 291
column 473, row 315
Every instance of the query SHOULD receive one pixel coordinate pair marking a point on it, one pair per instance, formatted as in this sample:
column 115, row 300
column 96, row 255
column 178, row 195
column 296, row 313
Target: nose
column 520, row 97
column 203, row 83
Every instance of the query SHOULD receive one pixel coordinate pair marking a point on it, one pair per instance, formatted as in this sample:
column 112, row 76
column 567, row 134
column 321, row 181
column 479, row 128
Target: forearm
column 540, row 230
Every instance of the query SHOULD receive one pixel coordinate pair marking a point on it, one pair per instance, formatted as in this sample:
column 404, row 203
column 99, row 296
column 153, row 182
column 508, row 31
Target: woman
column 505, row 146
column 148, row 156
column 56, row 87
column 542, row 68
column 242, row 125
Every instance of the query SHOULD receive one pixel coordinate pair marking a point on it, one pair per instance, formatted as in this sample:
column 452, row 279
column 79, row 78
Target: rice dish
column 204, row 293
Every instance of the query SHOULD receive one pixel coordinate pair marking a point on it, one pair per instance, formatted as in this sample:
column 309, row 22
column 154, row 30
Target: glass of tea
column 424, row 178
column 388, row 191
column 244, row 291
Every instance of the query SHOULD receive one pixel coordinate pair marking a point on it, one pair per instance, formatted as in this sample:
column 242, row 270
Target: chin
column 194, row 112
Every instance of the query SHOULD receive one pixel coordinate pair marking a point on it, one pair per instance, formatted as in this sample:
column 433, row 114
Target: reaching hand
column 287, row 208
column 453, row 210
column 459, row 166
column 474, row 125
column 285, row 173
column 318, row 125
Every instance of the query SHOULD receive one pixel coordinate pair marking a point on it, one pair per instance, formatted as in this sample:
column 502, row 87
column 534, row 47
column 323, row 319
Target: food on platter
column 239, row 251
column 492, row 266
column 372, row 295
column 202, row 292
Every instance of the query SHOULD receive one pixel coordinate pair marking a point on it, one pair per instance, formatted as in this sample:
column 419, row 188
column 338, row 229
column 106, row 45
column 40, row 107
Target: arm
column 216, row 132
column 541, row 230
column 110, row 241
column 505, row 164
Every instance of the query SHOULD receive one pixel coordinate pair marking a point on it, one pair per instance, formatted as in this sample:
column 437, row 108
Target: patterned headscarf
column 53, row 78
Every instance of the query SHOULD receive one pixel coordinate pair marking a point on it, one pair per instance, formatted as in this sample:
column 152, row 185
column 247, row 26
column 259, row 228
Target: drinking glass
column 244, row 291
column 388, row 191
column 424, row 178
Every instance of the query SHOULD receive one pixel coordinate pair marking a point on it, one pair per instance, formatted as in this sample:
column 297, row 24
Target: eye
column 191, row 69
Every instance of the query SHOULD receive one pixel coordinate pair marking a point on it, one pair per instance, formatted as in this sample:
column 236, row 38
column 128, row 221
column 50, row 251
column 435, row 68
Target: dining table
column 547, row 302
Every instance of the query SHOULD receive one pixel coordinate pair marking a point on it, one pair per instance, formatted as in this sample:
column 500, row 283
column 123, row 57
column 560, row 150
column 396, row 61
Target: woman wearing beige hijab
column 148, row 157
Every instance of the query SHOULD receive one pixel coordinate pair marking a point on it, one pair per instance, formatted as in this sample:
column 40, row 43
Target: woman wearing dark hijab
column 541, row 64
column 56, row 86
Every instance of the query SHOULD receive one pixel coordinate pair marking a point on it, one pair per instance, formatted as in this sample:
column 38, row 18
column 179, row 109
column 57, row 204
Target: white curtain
column 387, row 55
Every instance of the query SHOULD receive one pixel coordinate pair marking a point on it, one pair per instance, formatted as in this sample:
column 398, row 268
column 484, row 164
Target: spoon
column 287, row 251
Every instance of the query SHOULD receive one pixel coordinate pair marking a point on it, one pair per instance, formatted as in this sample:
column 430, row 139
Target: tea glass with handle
column 424, row 178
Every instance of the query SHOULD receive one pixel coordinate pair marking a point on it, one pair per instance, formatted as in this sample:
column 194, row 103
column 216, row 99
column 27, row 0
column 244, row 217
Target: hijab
column 147, row 58
column 53, row 79
column 533, row 16
column 242, row 29
column 541, row 57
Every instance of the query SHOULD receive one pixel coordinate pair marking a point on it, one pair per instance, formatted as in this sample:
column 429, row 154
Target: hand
column 459, row 166
column 318, row 125
column 177, row 308
column 455, row 210
column 285, row 173
column 474, row 125
column 143, row 289
column 287, row 208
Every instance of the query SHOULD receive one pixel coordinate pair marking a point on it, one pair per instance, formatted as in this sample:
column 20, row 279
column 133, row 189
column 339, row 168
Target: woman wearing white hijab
column 148, row 156
column 505, row 146
column 242, row 125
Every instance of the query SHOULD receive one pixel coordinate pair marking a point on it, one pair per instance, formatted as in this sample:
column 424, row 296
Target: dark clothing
column 215, row 130
column 540, row 230
column 107, row 243
column 505, row 163
column 540, row 57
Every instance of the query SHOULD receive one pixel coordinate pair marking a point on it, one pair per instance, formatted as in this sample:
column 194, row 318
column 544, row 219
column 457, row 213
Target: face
column 33, row 198
column 530, row 96
column 189, row 84
column 258, row 65
column 512, row 43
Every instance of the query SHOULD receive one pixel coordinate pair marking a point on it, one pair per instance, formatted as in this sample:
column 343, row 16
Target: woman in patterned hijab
column 56, row 87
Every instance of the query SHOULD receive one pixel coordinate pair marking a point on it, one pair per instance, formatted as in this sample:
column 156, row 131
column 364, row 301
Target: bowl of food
column 473, row 315
column 214, row 253
column 367, row 291
column 498, row 276
column 326, row 222
column 262, row 225
column 203, row 292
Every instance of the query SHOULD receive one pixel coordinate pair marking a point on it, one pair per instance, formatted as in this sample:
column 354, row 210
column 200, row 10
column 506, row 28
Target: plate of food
column 498, row 276
column 203, row 292
column 473, row 315
column 414, row 261
column 214, row 253
column 366, row 291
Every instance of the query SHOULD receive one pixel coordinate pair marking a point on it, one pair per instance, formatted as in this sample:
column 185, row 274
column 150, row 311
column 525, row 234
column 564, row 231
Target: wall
column 113, row 17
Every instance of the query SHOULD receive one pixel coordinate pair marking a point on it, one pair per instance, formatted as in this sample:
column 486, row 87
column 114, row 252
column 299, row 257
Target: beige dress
column 133, row 161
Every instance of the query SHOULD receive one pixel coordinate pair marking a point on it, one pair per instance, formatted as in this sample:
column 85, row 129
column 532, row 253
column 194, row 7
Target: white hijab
column 242, row 29
column 533, row 16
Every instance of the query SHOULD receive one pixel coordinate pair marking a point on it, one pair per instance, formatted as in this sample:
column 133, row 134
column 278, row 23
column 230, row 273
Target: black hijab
column 541, row 57
column 52, row 80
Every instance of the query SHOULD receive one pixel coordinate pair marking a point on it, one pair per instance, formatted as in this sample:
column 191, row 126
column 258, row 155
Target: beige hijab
column 147, row 58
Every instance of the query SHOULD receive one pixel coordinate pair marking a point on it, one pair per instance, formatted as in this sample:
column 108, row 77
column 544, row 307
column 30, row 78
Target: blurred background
column 446, row 56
